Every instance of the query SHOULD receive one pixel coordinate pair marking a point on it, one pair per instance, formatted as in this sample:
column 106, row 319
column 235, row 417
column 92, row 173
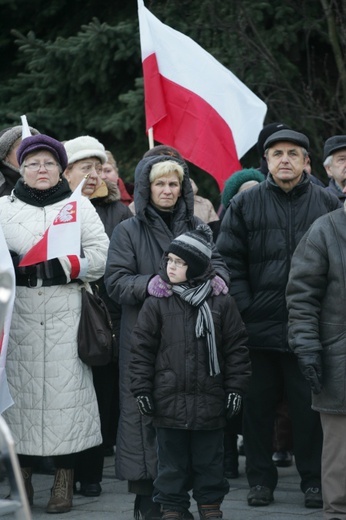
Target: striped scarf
column 197, row 296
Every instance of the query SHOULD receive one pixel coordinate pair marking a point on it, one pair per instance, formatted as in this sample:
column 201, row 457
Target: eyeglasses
column 88, row 168
column 177, row 263
column 35, row 166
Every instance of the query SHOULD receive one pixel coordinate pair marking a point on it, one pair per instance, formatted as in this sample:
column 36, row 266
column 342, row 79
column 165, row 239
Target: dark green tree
column 75, row 67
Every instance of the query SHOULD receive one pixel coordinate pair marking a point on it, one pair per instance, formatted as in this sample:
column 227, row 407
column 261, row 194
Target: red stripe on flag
column 184, row 120
column 38, row 253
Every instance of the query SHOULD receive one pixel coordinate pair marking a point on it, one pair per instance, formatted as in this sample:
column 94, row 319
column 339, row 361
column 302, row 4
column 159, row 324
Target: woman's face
column 41, row 170
column 91, row 167
column 109, row 173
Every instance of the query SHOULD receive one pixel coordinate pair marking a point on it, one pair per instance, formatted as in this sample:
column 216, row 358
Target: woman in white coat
column 55, row 410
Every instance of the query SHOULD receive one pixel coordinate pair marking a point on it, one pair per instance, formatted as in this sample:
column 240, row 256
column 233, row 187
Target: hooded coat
column 134, row 256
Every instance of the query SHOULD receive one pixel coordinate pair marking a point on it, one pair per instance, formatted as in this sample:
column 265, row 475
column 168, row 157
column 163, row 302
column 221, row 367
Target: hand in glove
column 233, row 404
column 159, row 288
column 218, row 285
column 311, row 367
column 145, row 404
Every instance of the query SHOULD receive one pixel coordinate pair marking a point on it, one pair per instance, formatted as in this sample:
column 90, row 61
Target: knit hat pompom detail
column 195, row 248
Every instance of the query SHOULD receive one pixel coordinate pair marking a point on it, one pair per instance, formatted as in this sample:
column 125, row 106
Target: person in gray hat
column 10, row 139
column 259, row 233
column 334, row 162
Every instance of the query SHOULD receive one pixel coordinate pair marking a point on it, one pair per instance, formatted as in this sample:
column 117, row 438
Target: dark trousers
column 188, row 458
column 274, row 373
column 89, row 463
column 60, row 461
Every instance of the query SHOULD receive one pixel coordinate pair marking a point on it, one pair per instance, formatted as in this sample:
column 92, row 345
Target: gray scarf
column 197, row 296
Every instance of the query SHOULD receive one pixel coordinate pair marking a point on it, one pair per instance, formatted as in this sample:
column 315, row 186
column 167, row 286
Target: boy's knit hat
column 84, row 147
column 8, row 136
column 42, row 142
column 195, row 248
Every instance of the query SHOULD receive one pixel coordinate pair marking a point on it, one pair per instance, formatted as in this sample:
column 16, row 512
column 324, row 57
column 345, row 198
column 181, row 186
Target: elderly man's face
column 286, row 162
column 165, row 191
column 337, row 168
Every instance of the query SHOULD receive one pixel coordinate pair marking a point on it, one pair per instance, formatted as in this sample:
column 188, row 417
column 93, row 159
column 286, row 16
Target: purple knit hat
column 42, row 142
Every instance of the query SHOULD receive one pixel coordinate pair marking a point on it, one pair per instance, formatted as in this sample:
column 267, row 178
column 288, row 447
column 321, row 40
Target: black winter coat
column 316, row 293
column 169, row 362
column 259, row 233
column 134, row 256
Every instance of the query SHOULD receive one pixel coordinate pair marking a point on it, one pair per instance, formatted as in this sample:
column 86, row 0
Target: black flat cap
column 333, row 144
column 290, row 136
column 266, row 132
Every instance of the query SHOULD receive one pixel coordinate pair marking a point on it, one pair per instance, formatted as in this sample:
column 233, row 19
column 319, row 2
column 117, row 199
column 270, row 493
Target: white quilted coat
column 55, row 410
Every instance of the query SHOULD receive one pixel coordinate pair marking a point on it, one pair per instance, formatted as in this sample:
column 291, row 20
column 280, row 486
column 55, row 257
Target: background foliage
column 74, row 67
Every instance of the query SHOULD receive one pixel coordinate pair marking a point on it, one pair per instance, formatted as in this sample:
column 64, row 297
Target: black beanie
column 266, row 132
column 195, row 248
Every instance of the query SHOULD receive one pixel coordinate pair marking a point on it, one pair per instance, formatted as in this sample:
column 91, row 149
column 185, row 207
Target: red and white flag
column 194, row 103
column 63, row 237
column 7, row 293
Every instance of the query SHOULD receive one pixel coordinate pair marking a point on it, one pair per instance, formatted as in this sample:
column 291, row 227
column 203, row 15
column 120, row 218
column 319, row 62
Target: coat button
column 40, row 292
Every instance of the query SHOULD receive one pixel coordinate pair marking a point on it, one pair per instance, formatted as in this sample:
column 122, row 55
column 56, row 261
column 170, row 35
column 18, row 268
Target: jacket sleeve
column 123, row 283
column 217, row 261
column 94, row 240
column 305, row 291
column 145, row 342
column 237, row 359
column 232, row 243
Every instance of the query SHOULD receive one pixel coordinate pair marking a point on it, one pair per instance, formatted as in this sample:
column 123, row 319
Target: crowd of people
column 226, row 322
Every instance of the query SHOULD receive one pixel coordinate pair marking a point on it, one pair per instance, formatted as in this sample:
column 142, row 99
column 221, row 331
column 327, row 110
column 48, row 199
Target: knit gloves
column 159, row 288
column 145, row 404
column 219, row 286
column 311, row 367
column 233, row 404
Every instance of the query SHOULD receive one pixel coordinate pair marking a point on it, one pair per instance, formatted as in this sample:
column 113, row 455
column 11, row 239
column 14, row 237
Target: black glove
column 233, row 404
column 311, row 367
column 145, row 404
column 49, row 270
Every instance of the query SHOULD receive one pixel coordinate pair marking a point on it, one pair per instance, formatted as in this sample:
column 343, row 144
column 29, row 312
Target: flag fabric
column 7, row 293
column 25, row 127
column 63, row 236
column 193, row 102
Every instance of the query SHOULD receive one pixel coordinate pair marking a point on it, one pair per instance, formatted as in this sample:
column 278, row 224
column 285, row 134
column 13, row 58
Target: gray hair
column 328, row 161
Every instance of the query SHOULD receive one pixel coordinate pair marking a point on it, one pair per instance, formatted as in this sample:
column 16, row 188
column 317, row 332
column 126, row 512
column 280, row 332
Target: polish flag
column 7, row 292
column 63, row 236
column 194, row 103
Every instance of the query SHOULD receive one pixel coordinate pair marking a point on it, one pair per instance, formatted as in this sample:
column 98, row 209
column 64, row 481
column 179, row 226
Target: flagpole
column 151, row 137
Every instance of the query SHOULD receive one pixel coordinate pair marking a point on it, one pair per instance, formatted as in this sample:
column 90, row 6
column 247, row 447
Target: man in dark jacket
column 164, row 210
column 334, row 161
column 259, row 234
column 317, row 334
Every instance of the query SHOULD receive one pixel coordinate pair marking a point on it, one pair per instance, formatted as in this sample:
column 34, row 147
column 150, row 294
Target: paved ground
column 116, row 504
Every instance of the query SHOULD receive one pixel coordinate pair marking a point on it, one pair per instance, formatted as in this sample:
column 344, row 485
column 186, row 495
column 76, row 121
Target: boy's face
column 176, row 269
